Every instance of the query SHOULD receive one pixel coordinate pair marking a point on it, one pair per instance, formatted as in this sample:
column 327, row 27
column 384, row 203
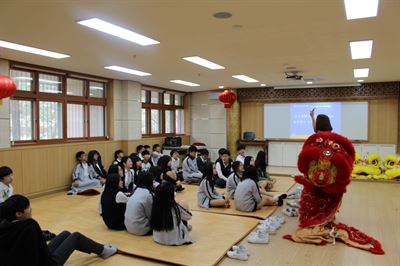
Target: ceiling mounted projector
column 293, row 75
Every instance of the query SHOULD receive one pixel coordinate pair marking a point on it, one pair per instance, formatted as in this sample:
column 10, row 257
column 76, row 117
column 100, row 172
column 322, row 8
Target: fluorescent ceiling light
column 186, row 83
column 220, row 87
column 203, row 62
column 31, row 50
column 361, row 72
column 245, row 78
column 128, row 70
column 117, row 31
column 361, row 49
column 361, row 8
column 309, row 82
column 263, row 85
column 360, row 80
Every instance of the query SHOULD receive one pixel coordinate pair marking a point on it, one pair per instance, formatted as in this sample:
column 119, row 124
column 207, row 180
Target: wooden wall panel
column 383, row 120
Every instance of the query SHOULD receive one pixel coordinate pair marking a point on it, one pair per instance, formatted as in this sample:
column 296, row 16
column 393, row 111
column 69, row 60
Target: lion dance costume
column 326, row 162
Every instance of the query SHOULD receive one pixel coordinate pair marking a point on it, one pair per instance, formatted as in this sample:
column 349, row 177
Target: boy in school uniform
column 84, row 177
column 191, row 172
column 241, row 150
column 147, row 162
column 223, row 166
column 203, row 159
column 118, row 154
column 156, row 153
column 175, row 164
column 6, row 178
column 139, row 150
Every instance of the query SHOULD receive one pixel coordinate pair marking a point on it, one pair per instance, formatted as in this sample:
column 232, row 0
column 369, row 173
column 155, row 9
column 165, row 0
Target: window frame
column 162, row 107
column 35, row 96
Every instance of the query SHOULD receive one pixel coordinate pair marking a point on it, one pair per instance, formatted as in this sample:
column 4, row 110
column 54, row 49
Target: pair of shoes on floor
column 271, row 225
column 108, row 251
column 259, row 236
column 291, row 212
column 239, row 253
column 293, row 203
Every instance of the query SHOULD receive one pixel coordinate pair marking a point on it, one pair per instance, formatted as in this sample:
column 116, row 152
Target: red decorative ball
column 7, row 87
column 228, row 98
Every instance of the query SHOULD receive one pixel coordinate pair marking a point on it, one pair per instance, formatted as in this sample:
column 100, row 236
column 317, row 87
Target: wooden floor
column 373, row 208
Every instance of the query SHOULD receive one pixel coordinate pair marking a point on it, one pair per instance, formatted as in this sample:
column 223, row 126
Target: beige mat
column 283, row 184
column 213, row 234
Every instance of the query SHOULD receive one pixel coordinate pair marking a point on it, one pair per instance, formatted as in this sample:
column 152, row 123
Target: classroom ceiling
column 261, row 39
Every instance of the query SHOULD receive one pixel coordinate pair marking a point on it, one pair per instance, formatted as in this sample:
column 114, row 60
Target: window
column 76, row 120
column 162, row 112
column 50, row 120
column 21, row 119
column 53, row 106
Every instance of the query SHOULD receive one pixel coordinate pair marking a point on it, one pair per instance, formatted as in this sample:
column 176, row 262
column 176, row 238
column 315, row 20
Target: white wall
column 5, row 110
column 127, row 110
column 208, row 122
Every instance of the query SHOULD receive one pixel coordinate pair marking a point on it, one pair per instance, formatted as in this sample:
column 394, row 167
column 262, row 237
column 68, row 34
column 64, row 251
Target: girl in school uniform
column 167, row 217
column 118, row 154
column 207, row 195
column 263, row 184
column 129, row 175
column 138, row 209
column 234, row 179
column 264, row 179
column 22, row 242
column 139, row 150
column 84, row 177
column 147, row 162
column 94, row 159
column 136, row 166
column 176, row 164
column 156, row 153
column 113, row 203
column 248, row 197
column 167, row 174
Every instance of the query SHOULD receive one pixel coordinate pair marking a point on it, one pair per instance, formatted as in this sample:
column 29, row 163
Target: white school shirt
column 6, row 191
column 175, row 165
column 219, row 171
column 240, row 158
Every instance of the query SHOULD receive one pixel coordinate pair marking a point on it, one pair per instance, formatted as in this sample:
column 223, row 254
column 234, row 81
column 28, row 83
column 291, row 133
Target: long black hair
column 250, row 173
column 208, row 173
column 112, row 182
column 114, row 168
column 247, row 161
column 91, row 155
column 323, row 123
column 14, row 204
column 163, row 205
column 261, row 160
column 135, row 159
column 163, row 163
column 157, row 172
column 145, row 180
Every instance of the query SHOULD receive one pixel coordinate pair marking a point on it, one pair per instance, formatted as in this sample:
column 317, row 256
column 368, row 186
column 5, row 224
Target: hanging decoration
column 7, row 87
column 228, row 98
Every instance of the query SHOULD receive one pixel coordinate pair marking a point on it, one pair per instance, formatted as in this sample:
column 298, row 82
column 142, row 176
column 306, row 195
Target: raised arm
column 313, row 119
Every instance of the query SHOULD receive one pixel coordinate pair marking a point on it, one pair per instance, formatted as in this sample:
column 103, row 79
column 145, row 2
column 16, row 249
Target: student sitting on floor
column 113, row 203
column 146, row 148
column 139, row 150
column 223, row 166
column 191, row 172
column 138, row 209
column 157, row 173
column 156, row 153
column 147, row 162
column 168, row 217
column 263, row 184
column 6, row 178
column 207, row 195
column 241, row 150
column 84, row 177
column 167, row 174
column 136, row 166
column 175, row 164
column 94, row 159
column 234, row 179
column 261, row 165
column 203, row 159
column 22, row 242
column 248, row 197
column 118, row 154
column 129, row 174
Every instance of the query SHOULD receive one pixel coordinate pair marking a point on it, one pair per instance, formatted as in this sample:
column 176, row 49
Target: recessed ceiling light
column 117, row 31
column 309, row 82
column 361, row 49
column 128, row 70
column 186, row 83
column 356, row 9
column 361, row 72
column 203, row 62
column 220, row 87
column 263, row 85
column 360, row 80
column 245, row 78
column 32, row 50
column 222, row 15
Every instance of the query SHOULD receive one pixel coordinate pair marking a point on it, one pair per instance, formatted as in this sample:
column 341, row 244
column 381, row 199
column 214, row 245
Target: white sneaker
column 293, row 203
column 269, row 229
column 258, row 237
column 241, row 249
column 277, row 218
column 272, row 223
column 237, row 255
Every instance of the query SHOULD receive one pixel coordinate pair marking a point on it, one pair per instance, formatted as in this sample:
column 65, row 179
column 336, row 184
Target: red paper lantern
column 7, row 87
column 228, row 98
